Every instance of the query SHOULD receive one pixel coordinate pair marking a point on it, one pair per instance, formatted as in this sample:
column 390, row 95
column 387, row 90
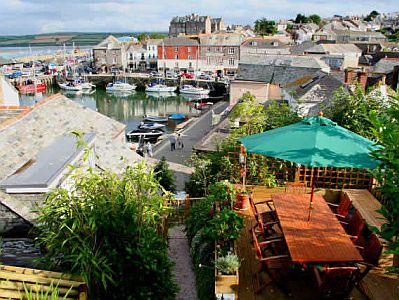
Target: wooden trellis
column 328, row 177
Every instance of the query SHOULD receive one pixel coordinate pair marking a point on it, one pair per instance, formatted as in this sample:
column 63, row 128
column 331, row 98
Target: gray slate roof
column 385, row 66
column 334, row 48
column 300, row 48
column 180, row 41
column 22, row 140
column 220, row 40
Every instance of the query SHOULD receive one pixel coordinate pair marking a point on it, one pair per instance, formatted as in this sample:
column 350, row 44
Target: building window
column 176, row 49
column 176, row 64
column 176, row 56
column 131, row 56
column 231, row 61
column 190, row 65
column 208, row 60
column 209, row 49
column 189, row 49
column 189, row 57
column 231, row 50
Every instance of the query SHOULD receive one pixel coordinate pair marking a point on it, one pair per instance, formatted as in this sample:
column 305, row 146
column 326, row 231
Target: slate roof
column 334, row 48
column 220, row 40
column 37, row 128
column 385, row 65
column 264, row 43
column 300, row 48
column 189, row 18
column 353, row 33
column 180, row 41
column 109, row 39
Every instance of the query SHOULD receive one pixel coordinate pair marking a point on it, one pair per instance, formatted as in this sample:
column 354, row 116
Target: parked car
column 187, row 75
column 206, row 77
column 155, row 74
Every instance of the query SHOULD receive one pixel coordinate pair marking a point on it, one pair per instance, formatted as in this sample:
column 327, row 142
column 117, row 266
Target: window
column 189, row 49
column 176, row 56
column 208, row 60
column 189, row 57
column 190, row 65
column 177, row 65
column 231, row 61
column 176, row 49
column 231, row 50
column 209, row 49
column 131, row 55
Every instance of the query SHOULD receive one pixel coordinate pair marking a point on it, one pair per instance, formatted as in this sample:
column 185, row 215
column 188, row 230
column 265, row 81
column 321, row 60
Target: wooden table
column 367, row 205
column 322, row 239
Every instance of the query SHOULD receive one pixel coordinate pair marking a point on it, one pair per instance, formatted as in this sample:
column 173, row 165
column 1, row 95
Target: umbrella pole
column 312, row 194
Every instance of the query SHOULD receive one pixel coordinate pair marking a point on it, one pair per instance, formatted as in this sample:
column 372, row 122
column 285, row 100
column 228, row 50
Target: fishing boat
column 150, row 126
column 202, row 105
column 147, row 135
column 177, row 117
column 120, row 86
column 156, row 119
column 32, row 87
column 192, row 90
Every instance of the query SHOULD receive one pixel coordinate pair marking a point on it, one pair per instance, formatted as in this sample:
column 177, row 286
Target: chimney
column 362, row 79
column 348, row 76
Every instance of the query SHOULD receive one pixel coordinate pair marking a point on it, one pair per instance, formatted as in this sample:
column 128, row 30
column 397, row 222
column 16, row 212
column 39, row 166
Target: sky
column 18, row 17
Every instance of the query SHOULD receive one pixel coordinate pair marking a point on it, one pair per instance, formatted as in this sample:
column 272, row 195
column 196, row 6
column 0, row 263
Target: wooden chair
column 274, row 260
column 371, row 252
column 295, row 188
column 354, row 226
column 265, row 221
column 335, row 282
column 342, row 209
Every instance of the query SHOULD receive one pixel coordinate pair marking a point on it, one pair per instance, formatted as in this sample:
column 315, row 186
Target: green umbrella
column 314, row 142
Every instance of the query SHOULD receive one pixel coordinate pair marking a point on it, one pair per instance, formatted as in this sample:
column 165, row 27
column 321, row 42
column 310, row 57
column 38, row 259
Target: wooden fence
column 178, row 209
column 16, row 282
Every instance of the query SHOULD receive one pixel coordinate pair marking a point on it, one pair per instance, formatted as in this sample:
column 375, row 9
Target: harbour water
column 128, row 109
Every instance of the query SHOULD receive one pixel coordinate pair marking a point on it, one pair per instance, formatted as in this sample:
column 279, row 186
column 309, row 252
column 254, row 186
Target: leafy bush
column 228, row 264
column 106, row 229
column 165, row 176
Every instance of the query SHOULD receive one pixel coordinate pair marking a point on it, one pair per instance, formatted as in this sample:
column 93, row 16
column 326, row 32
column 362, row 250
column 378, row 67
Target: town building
column 8, row 94
column 337, row 56
column 109, row 54
column 178, row 54
column 271, row 46
column 194, row 24
column 350, row 36
column 220, row 53
column 324, row 35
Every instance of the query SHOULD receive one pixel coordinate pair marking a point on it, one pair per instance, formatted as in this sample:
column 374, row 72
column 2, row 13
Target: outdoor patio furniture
column 295, row 188
column 371, row 252
column 335, row 282
column 354, row 226
column 320, row 240
column 274, row 260
column 265, row 221
column 342, row 209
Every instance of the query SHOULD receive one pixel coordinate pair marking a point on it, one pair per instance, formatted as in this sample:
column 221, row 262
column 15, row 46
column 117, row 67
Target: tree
column 106, row 229
column 351, row 110
column 279, row 115
column 386, row 132
column 371, row 16
column 265, row 27
column 165, row 176
column 142, row 37
column 314, row 19
column 301, row 19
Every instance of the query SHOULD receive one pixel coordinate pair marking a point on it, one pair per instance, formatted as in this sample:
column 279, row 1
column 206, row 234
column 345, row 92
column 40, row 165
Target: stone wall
column 12, row 224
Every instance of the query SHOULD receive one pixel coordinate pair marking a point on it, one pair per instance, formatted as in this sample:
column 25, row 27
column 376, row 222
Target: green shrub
column 227, row 264
column 165, row 176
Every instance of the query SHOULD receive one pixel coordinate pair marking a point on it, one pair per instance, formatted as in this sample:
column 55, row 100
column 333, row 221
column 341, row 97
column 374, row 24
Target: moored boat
column 147, row 135
column 118, row 86
column 33, row 87
column 70, row 86
column 160, row 88
column 177, row 117
column 156, row 119
column 151, row 126
column 192, row 90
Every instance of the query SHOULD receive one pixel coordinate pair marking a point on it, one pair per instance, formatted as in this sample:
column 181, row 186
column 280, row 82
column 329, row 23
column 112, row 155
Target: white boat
column 155, row 119
column 87, row 85
column 120, row 86
column 70, row 86
column 160, row 88
column 151, row 126
column 192, row 90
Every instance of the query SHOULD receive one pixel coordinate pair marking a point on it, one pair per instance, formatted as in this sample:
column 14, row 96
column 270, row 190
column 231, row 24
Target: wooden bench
column 16, row 281
column 367, row 205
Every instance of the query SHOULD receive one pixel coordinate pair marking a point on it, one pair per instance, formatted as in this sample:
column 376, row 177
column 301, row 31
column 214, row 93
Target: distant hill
column 67, row 38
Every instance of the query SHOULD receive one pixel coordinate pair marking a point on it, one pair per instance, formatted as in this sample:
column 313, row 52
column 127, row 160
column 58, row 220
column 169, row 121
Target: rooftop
column 180, row 41
column 334, row 48
column 220, row 40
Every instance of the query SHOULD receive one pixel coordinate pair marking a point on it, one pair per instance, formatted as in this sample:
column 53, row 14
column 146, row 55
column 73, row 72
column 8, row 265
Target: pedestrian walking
column 180, row 141
column 172, row 140
column 149, row 149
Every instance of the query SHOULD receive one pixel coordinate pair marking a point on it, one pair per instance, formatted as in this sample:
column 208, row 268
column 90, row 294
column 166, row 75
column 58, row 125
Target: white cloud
column 38, row 16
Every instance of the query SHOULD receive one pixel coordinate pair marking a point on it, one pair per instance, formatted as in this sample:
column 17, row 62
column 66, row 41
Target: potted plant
column 242, row 197
column 223, row 193
column 226, row 274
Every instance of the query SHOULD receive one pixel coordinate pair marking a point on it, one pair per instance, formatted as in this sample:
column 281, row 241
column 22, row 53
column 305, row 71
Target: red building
column 178, row 53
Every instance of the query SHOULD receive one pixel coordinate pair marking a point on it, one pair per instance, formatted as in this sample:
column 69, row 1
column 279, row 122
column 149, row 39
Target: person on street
column 172, row 139
column 180, row 141
column 149, row 149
